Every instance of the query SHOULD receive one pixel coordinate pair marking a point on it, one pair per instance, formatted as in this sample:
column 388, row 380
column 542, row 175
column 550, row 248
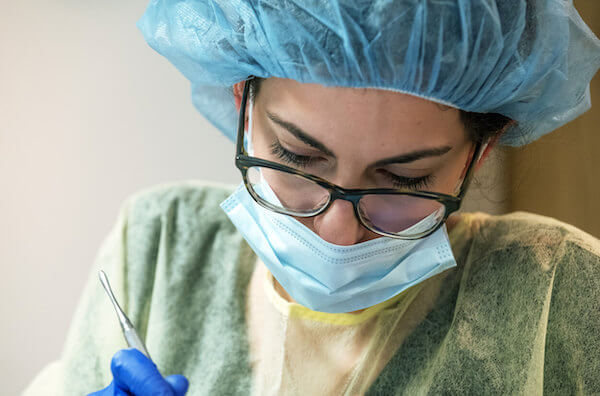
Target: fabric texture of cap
column 530, row 60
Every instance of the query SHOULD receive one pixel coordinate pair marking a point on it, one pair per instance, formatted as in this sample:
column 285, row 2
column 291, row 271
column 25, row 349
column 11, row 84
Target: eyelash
column 415, row 183
column 305, row 160
column 299, row 160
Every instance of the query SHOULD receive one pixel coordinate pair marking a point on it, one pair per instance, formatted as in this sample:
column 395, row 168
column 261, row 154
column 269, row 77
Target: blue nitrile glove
column 135, row 374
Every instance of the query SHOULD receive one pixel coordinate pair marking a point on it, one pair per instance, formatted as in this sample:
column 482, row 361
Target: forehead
column 378, row 119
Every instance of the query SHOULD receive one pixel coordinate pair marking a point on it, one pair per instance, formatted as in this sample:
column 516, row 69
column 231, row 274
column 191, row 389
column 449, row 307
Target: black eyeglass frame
column 244, row 162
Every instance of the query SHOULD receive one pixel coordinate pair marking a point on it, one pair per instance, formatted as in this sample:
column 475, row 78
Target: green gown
column 520, row 314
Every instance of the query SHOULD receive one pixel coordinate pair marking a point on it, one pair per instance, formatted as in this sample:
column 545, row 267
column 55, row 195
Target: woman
column 340, row 266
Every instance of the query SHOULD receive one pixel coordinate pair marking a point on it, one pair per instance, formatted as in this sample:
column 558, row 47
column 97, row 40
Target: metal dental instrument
column 132, row 338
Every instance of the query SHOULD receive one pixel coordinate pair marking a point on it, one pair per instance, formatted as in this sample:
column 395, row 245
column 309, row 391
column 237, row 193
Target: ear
column 238, row 90
column 491, row 145
column 486, row 152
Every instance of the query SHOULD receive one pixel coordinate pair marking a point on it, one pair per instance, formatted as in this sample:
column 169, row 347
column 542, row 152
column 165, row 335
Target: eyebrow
column 400, row 159
column 300, row 134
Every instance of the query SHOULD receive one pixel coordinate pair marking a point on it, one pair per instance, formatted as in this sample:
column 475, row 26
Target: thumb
column 137, row 374
column 179, row 384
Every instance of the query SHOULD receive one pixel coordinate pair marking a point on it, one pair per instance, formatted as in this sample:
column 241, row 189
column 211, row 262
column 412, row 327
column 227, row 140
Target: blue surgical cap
column 530, row 60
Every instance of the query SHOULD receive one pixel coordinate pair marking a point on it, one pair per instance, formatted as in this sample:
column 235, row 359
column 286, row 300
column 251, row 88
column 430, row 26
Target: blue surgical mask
column 332, row 278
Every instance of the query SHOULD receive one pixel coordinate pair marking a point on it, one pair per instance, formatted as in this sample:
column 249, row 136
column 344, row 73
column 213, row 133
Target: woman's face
column 357, row 138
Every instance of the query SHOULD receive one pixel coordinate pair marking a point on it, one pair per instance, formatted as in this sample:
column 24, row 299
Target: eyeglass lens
column 402, row 215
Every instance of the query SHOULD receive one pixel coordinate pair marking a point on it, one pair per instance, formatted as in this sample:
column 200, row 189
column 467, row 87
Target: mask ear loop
column 248, row 133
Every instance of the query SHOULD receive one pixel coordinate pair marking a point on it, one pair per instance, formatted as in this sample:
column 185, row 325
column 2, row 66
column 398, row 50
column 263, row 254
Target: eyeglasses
column 393, row 212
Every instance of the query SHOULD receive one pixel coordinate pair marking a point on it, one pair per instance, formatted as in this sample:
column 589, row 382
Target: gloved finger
column 179, row 384
column 138, row 375
column 110, row 390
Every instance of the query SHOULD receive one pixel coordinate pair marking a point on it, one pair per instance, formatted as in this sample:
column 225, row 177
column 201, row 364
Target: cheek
column 261, row 144
column 308, row 222
column 448, row 177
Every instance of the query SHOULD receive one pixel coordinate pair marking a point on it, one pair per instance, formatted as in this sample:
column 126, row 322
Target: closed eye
column 397, row 181
column 298, row 160
column 415, row 183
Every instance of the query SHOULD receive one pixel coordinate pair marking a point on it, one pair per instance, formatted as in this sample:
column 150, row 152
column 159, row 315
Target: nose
column 339, row 225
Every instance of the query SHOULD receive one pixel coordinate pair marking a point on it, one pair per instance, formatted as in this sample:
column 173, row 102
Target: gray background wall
column 88, row 115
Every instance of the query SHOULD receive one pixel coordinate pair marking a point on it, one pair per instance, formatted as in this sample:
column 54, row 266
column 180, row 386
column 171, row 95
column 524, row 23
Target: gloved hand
column 135, row 374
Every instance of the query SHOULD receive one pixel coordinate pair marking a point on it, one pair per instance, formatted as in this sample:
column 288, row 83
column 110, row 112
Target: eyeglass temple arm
column 242, row 118
column 479, row 148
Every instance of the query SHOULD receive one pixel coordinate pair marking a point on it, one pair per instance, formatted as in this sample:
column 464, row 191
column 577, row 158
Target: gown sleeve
column 173, row 260
column 572, row 353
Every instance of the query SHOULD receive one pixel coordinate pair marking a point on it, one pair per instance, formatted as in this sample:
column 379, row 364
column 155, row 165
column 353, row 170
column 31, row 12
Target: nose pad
column 338, row 224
